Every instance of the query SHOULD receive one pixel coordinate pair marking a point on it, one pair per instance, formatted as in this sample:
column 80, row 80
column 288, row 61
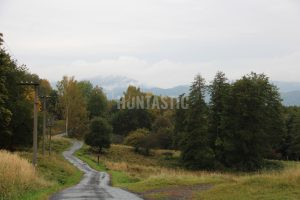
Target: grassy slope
column 283, row 185
column 157, row 177
column 54, row 169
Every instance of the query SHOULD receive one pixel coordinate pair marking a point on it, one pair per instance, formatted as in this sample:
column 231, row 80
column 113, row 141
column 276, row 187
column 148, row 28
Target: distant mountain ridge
column 114, row 86
column 112, row 82
column 287, row 86
column 172, row 92
column 291, row 98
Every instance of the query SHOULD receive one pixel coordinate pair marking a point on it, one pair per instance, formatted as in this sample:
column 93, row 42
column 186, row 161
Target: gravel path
column 94, row 185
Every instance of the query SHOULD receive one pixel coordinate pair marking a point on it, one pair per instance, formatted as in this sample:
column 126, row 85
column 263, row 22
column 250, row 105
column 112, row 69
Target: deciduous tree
column 99, row 134
column 73, row 103
column 97, row 103
column 253, row 123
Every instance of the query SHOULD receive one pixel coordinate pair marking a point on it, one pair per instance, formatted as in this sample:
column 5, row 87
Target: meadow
column 159, row 176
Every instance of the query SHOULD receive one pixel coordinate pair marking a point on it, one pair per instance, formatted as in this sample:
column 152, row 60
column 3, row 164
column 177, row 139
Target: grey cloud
column 197, row 35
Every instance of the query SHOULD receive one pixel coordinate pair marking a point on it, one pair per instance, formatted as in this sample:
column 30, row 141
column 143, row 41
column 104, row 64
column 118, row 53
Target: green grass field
column 159, row 177
column 52, row 174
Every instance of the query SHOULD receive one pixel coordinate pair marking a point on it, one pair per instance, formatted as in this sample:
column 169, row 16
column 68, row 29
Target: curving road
column 94, row 185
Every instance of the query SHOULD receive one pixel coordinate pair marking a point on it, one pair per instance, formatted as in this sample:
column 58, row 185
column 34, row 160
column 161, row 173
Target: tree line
column 241, row 125
column 16, row 102
column 227, row 124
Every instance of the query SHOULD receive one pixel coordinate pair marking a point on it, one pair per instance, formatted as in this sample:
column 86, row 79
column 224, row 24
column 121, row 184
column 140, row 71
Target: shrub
column 140, row 139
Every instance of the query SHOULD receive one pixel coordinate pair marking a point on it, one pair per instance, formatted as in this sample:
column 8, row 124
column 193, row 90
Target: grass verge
column 53, row 172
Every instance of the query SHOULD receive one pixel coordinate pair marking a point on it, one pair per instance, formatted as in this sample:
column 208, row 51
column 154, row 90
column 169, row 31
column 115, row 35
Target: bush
column 141, row 140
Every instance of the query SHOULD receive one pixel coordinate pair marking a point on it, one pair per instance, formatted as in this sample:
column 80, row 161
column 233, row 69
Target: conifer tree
column 196, row 151
column 219, row 92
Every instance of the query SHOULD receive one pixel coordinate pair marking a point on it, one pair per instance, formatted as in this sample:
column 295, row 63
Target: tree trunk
column 98, row 156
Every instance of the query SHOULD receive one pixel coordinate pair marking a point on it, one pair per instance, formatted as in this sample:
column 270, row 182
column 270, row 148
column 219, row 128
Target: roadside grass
column 159, row 177
column 53, row 173
column 17, row 175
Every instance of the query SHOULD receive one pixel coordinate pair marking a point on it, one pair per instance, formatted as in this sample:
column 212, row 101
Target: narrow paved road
column 94, row 185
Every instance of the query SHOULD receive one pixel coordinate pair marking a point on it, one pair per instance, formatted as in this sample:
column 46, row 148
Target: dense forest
column 241, row 125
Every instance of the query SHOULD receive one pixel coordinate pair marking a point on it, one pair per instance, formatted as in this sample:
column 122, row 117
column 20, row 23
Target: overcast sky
column 157, row 42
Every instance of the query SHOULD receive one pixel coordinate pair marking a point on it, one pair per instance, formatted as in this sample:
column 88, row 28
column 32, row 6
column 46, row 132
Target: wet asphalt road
column 94, row 185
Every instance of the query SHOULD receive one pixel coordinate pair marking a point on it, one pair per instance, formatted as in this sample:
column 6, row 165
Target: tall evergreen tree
column 196, row 151
column 179, row 122
column 219, row 92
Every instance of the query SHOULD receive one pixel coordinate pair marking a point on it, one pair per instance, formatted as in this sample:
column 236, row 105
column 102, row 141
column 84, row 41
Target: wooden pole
column 50, row 139
column 44, row 124
column 35, row 118
column 67, row 120
column 35, row 126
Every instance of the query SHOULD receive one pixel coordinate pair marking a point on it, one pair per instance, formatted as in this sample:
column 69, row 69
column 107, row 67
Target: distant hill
column 117, row 92
column 172, row 92
column 291, row 98
column 114, row 86
column 111, row 82
column 287, row 86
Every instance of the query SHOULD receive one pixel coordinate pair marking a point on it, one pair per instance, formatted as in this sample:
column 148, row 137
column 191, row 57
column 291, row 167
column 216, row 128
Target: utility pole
column 35, row 118
column 50, row 124
column 67, row 120
column 44, row 120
